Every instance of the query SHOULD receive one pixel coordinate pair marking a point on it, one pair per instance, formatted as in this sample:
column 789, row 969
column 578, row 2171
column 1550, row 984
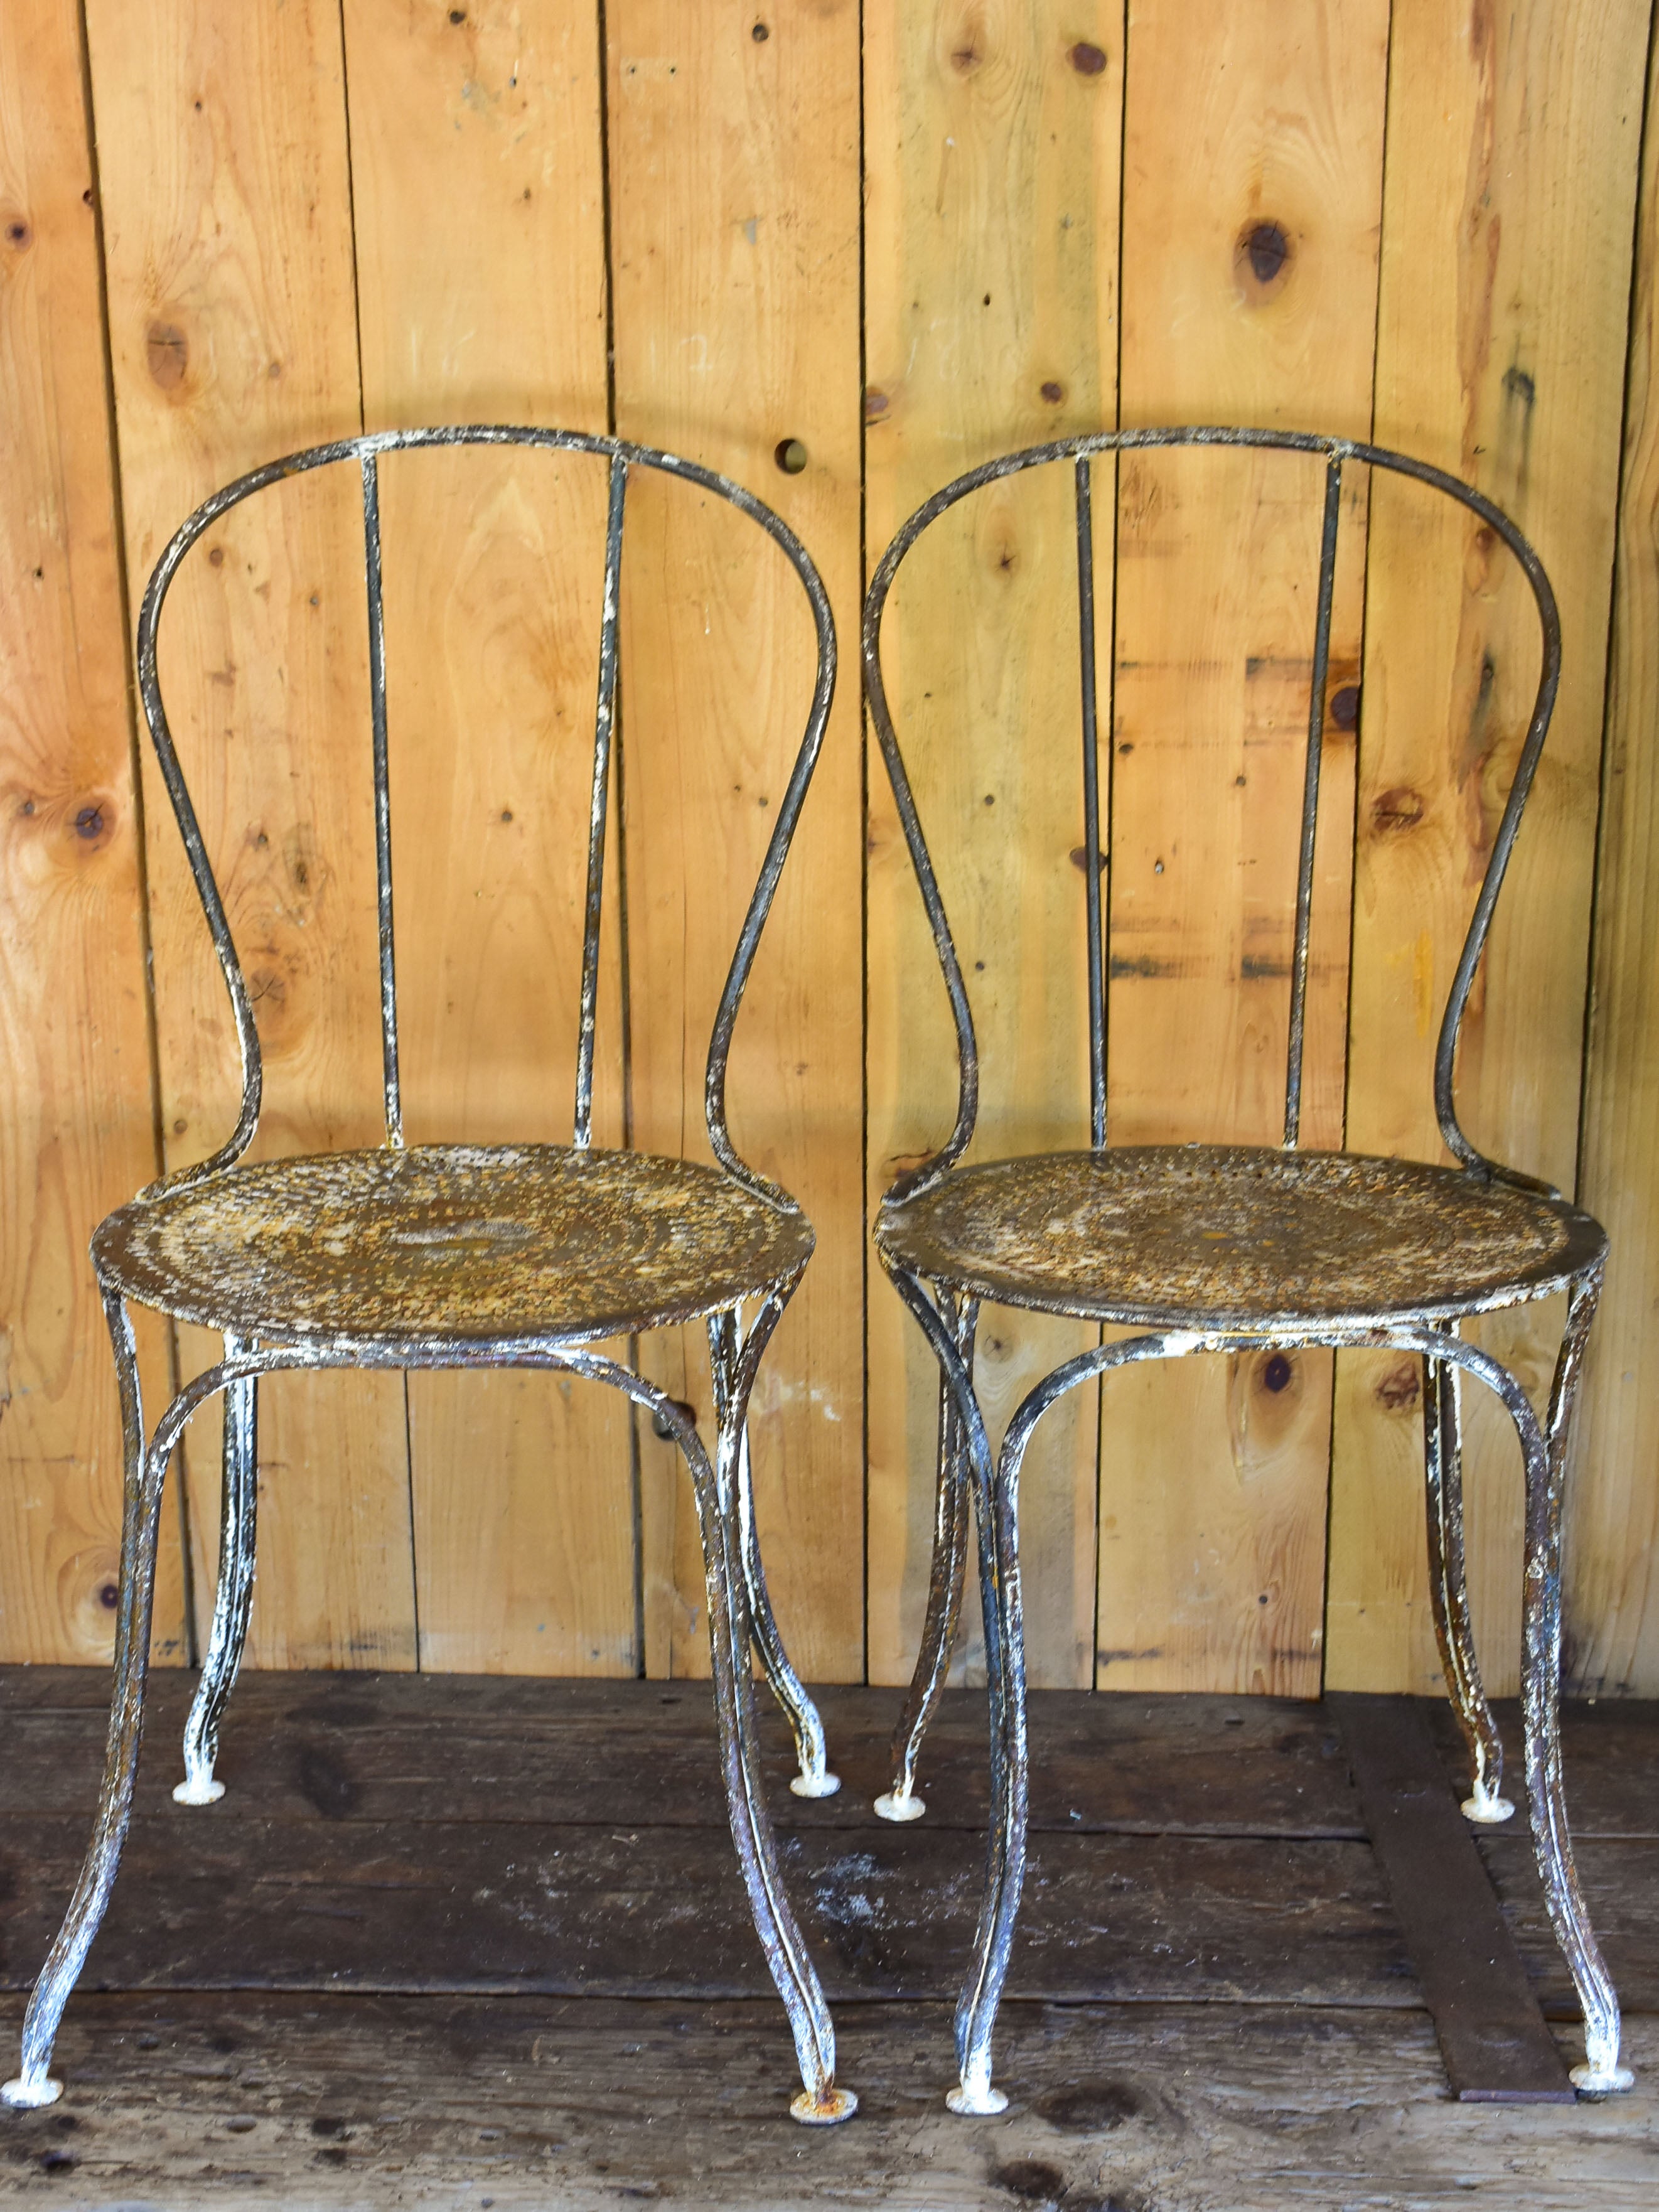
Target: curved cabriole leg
column 820, row 2103
column 233, row 1597
column 946, row 1579
column 998, row 1518
column 995, row 1515
column 814, row 1779
column 1540, row 1689
column 140, row 1521
column 1448, row 1591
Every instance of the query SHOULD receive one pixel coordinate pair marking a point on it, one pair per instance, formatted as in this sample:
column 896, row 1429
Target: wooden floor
column 466, row 1942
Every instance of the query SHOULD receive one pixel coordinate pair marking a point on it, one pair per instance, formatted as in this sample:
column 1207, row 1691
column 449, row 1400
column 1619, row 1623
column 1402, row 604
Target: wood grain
column 76, row 1121
column 993, row 160
column 324, row 2100
column 734, row 225
column 1507, row 229
column 401, row 1748
column 1612, row 1625
column 233, row 333
column 476, row 189
column 1249, row 281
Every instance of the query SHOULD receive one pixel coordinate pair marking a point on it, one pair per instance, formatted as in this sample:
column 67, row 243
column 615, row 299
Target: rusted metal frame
column 141, row 1517
column 946, row 1579
column 1086, row 621
column 604, row 723
column 715, row 1486
column 394, row 1104
column 1304, row 863
column 1543, row 1454
column 233, row 1598
column 1449, row 1597
column 814, row 1779
column 1541, row 1691
column 1005, row 1665
column 930, row 1171
column 730, row 1633
column 363, row 449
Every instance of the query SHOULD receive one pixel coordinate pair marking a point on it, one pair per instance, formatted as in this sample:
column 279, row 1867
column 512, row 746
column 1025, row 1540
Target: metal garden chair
column 461, row 1256
column 1231, row 1248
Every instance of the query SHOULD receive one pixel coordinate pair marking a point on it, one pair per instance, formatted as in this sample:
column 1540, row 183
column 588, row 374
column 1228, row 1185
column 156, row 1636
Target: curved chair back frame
column 1337, row 451
column 622, row 457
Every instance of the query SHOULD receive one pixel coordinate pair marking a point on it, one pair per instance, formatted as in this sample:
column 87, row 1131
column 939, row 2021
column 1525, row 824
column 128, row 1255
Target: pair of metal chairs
column 461, row 1256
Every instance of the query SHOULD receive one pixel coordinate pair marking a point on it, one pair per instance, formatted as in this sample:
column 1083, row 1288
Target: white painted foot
column 981, row 2101
column 1595, row 2080
column 198, row 1789
column 27, row 2094
column 824, row 2111
column 1485, row 1809
column 815, row 1785
column 901, row 1808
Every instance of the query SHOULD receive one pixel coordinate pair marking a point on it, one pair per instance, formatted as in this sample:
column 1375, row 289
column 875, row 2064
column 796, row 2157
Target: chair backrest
column 366, row 452
column 1080, row 451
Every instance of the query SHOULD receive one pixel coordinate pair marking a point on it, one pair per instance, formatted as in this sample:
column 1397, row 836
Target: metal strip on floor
column 1493, row 2037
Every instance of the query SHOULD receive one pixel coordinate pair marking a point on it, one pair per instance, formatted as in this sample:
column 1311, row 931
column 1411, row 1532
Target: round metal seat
column 1237, row 1237
column 451, row 1241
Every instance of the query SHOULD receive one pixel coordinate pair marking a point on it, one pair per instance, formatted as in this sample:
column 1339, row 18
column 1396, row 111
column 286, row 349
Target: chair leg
column 946, row 1579
column 233, row 1597
column 1449, row 1592
column 140, row 1523
column 820, row 2102
column 814, row 1779
column 996, row 1514
column 1540, row 1689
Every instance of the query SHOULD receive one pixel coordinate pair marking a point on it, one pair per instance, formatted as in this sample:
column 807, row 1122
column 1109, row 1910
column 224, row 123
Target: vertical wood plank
column 477, row 183
column 226, row 196
column 1613, row 1556
column 76, row 1126
column 734, row 180
column 1506, row 282
column 1253, row 170
column 993, row 136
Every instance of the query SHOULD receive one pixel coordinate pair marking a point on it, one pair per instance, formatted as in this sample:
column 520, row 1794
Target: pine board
column 477, row 206
column 1513, row 143
column 992, row 137
column 76, row 1119
column 233, row 335
column 734, row 199
column 1250, row 284
column 1611, row 1618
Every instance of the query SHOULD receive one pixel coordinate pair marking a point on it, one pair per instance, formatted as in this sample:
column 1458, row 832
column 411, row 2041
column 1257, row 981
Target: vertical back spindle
column 604, row 723
column 1321, row 655
column 394, row 1107
column 1085, row 606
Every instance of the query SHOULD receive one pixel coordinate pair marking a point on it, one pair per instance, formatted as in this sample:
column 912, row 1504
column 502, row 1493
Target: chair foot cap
column 815, row 1785
column 205, row 1792
column 824, row 2111
column 1487, row 1812
column 24, row 2095
column 901, row 1808
column 1601, row 2081
column 975, row 2104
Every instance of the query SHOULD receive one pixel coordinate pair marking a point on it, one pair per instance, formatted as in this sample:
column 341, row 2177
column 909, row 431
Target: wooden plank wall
column 902, row 239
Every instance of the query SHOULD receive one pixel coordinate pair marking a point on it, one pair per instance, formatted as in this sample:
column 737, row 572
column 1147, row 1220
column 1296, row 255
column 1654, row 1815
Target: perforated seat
column 451, row 1241
column 1245, row 1237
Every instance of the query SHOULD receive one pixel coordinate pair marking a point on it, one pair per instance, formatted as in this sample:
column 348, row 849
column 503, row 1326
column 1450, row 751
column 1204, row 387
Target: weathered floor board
column 476, row 1941
column 187, row 2100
